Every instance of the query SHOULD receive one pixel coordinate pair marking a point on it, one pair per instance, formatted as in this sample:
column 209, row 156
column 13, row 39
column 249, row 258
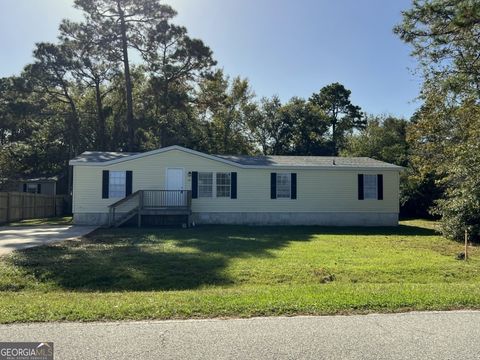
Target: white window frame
column 117, row 184
column 202, row 193
column 286, row 192
column 370, row 187
column 224, row 187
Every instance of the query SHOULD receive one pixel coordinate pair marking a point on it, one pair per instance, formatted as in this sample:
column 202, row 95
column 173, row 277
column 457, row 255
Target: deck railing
column 166, row 198
column 127, row 205
column 125, row 208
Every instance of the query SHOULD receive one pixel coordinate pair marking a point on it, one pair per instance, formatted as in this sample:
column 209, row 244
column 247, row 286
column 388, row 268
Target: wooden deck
column 159, row 203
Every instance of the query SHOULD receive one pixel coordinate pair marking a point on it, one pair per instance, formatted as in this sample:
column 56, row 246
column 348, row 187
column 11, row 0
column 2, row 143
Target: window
column 283, row 186
column 205, row 184
column 370, row 186
column 117, row 184
column 32, row 188
column 223, row 184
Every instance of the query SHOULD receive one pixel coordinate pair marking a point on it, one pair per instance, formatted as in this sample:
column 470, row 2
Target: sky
column 284, row 47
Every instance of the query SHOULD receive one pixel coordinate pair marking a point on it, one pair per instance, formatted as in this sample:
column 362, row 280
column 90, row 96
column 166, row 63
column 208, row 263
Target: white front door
column 174, row 184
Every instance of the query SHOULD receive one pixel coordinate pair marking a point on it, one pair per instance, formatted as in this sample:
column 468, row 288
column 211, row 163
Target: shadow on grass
column 131, row 259
column 148, row 259
column 65, row 220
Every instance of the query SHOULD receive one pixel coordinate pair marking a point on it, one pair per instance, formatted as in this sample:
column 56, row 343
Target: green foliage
column 343, row 116
column 444, row 37
column 75, row 96
column 267, row 128
column 382, row 138
column 445, row 136
column 226, row 109
column 460, row 207
column 123, row 25
column 308, row 128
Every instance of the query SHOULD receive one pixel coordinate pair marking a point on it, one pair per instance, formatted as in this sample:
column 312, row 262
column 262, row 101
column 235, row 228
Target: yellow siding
column 317, row 190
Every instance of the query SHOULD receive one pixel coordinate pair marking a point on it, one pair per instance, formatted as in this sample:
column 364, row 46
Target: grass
column 225, row 271
column 64, row 220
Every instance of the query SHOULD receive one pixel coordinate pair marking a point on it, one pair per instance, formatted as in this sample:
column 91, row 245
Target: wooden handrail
column 121, row 201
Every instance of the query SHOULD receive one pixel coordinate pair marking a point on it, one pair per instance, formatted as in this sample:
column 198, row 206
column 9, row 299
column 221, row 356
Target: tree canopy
column 445, row 134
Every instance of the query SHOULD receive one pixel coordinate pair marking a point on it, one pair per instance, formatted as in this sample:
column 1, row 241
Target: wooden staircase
column 156, row 203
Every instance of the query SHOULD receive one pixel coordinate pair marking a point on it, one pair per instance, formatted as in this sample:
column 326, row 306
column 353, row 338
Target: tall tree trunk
column 334, row 137
column 73, row 129
column 128, row 81
column 166, row 109
column 101, row 133
column 334, row 129
column 226, row 135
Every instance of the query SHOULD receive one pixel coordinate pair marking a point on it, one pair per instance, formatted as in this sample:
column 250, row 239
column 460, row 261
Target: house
column 112, row 188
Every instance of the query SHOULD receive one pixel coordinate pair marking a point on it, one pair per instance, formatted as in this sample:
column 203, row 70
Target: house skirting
column 297, row 218
column 90, row 218
column 270, row 218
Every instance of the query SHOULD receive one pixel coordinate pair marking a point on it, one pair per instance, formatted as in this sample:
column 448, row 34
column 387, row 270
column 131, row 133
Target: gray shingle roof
column 280, row 160
column 244, row 160
column 101, row 156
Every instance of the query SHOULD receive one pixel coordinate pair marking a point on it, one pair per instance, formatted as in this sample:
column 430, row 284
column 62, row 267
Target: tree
column 16, row 125
column 444, row 37
column 35, row 139
column 51, row 75
column 383, row 138
column 175, row 61
column 307, row 127
column 123, row 24
column 343, row 116
column 91, row 68
column 445, row 136
column 445, row 141
column 266, row 127
column 226, row 107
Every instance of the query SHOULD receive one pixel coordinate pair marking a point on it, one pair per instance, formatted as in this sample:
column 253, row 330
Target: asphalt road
column 21, row 237
column 418, row 335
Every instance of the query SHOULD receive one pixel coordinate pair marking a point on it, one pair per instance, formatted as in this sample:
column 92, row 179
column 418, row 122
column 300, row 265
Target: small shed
column 45, row 185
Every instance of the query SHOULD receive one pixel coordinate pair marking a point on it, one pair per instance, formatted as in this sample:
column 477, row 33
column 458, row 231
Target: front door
column 175, row 194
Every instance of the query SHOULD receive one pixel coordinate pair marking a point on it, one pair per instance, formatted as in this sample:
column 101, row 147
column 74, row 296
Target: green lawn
column 238, row 271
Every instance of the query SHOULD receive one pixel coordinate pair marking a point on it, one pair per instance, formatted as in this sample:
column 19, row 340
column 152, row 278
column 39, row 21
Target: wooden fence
column 15, row 206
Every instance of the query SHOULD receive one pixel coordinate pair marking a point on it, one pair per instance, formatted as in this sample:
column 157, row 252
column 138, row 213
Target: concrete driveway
column 21, row 237
column 421, row 335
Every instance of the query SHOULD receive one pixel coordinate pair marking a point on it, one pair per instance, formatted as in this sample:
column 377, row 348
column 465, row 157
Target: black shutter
column 24, row 187
column 360, row 186
column 273, row 185
column 233, row 186
column 105, row 183
column 293, row 186
column 194, row 184
column 380, row 187
column 39, row 188
column 128, row 183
